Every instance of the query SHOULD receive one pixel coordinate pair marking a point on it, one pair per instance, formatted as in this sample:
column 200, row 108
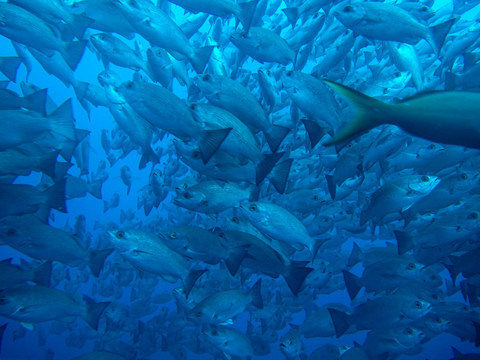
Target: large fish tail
column 97, row 258
column 80, row 24
column 280, row 173
column 42, row 274
column 295, row 277
column 47, row 163
column 2, row 331
column 73, row 52
column 211, row 141
column 405, row 241
column 9, row 66
column 37, row 101
column 352, row 283
column 94, row 311
column 63, row 122
column 355, row 256
column 247, row 10
column 200, row 58
column 191, row 279
column 340, row 321
column 255, row 293
column 292, row 14
column 95, row 189
column 235, row 259
column 147, row 155
column 275, row 135
column 438, row 33
column 266, row 165
column 370, row 113
column 55, row 196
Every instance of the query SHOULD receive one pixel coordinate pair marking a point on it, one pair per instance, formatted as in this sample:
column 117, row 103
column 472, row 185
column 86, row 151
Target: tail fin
column 247, row 10
column 37, row 101
column 280, row 175
column 292, row 15
column 405, row 242
column 315, row 132
column 355, row 255
column 55, row 196
column 95, row 189
column 438, row 33
column 9, row 66
column 63, row 121
column 332, row 186
column 73, row 52
column 147, row 155
column 94, row 311
column 47, row 163
column 369, row 113
column 80, row 24
column 275, row 136
column 266, row 165
column 352, row 283
column 255, row 293
column 340, row 321
column 42, row 274
column 235, row 259
column 97, row 258
column 189, row 282
column 200, row 58
column 295, row 276
column 2, row 331
column 211, row 142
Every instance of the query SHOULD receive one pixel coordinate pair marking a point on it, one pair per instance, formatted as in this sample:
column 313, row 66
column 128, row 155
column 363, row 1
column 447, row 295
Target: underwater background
column 322, row 195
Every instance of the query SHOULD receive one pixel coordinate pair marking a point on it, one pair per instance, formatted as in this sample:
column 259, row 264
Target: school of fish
column 305, row 176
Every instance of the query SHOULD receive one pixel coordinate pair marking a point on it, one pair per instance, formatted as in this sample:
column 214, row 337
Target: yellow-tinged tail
column 369, row 113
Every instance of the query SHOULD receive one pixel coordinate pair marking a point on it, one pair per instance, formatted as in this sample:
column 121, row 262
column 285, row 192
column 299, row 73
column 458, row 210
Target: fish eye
column 409, row 331
column 243, row 35
column 196, row 154
column 11, row 232
column 268, row 72
column 198, row 314
column 173, row 235
column 235, row 220
column 315, row 197
column 120, row 234
column 473, row 216
column 398, row 74
column 432, row 147
column 464, row 176
column 289, row 73
column 129, row 85
column 424, row 9
column 348, row 8
column 184, row 186
column 214, row 332
column 432, row 277
column 411, row 266
column 418, row 304
column 206, row 77
column 187, row 195
column 193, row 106
column 253, row 207
column 459, row 228
column 425, row 178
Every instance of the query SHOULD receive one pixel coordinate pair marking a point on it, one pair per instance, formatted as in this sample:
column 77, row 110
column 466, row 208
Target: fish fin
column 314, row 130
column 369, row 113
column 355, row 255
column 450, row 81
column 95, row 189
column 340, row 321
column 280, row 175
column 80, row 24
column 37, row 101
column 405, row 242
column 42, row 274
column 438, row 33
column 147, row 155
column 235, row 259
column 332, row 186
column 477, row 333
column 28, row 326
column 47, row 163
column 275, row 135
column 81, row 88
column 453, row 268
column 73, row 52
column 2, row 331
column 63, row 121
column 292, row 14
column 55, row 195
column 247, row 10
column 295, row 276
column 211, row 141
column 256, row 294
column 456, row 352
column 105, row 206
column 189, row 282
column 9, row 66
column 94, row 311
column 200, row 58
column 266, row 165
column 352, row 283
column 97, row 258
